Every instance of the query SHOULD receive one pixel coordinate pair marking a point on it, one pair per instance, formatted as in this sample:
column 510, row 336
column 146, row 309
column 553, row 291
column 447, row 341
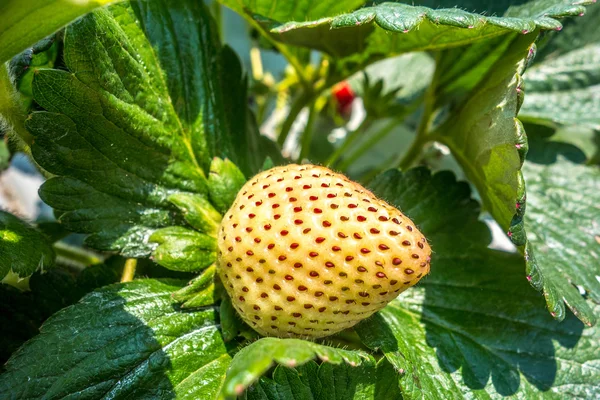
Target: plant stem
column 129, row 270
column 414, row 152
column 77, row 256
column 308, row 132
column 284, row 50
column 383, row 132
column 10, row 107
column 256, row 63
column 422, row 138
column 218, row 16
column 297, row 106
column 349, row 141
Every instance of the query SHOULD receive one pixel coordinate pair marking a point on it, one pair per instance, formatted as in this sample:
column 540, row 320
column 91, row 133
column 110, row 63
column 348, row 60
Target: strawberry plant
column 408, row 210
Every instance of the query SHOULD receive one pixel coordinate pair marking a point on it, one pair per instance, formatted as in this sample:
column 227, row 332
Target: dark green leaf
column 142, row 109
column 251, row 147
column 254, row 360
column 393, row 28
column 231, row 324
column 329, row 382
column 563, row 247
column 182, row 249
column 224, row 182
column 578, row 144
column 473, row 327
column 23, row 250
column 23, row 66
column 126, row 340
column 22, row 313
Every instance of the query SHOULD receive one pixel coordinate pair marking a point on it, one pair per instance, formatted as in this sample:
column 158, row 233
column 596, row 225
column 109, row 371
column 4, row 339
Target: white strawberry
column 305, row 252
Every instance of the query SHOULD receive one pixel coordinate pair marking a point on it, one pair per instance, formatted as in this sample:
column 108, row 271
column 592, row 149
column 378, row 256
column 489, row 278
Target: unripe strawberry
column 305, row 252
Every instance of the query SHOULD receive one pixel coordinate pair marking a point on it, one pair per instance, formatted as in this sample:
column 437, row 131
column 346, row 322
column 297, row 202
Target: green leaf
column 142, row 109
column 254, row 360
column 22, row 313
column 486, row 138
column 224, row 182
column 390, row 28
column 565, row 90
column 473, row 327
column 5, row 153
column 200, row 292
column 231, row 324
column 23, row 250
column 329, row 382
column 24, row 24
column 563, row 249
column 576, row 33
column 182, row 249
column 295, row 10
column 12, row 114
column 23, row 66
column 126, row 340
column 198, row 212
column 578, row 144
column 251, row 147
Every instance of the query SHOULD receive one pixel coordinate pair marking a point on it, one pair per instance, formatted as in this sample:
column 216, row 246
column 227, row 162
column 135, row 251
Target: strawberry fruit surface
column 305, row 252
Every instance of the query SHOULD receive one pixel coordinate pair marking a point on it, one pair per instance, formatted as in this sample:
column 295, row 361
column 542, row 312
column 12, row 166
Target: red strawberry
column 344, row 96
column 305, row 252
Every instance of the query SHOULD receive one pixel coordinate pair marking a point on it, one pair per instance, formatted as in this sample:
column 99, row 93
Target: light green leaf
column 565, row 90
column 562, row 222
column 390, row 28
column 474, row 328
column 486, row 138
column 182, row 249
column 25, row 23
column 329, row 382
column 198, row 212
column 224, row 182
column 23, row 250
column 254, row 360
column 125, row 340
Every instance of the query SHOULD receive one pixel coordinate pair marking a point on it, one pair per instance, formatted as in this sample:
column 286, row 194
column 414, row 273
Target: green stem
column 308, row 132
column 297, row 106
column 76, row 256
column 416, row 148
column 129, row 270
column 383, row 132
column 351, row 138
column 284, row 50
column 414, row 152
column 218, row 16
column 10, row 107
